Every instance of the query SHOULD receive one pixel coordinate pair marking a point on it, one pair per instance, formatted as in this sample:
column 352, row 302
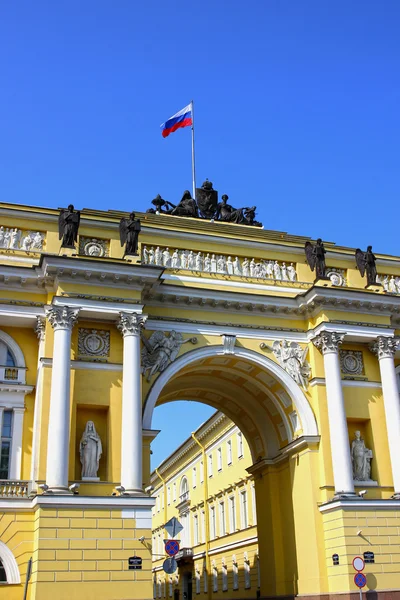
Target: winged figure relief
column 161, row 350
column 292, row 358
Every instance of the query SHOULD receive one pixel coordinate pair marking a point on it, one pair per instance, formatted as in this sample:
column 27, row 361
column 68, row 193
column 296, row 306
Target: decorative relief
column 292, row 358
column 337, row 276
column 18, row 239
column 390, row 283
column 161, row 350
column 93, row 342
column 351, row 362
column 190, row 260
column 93, row 246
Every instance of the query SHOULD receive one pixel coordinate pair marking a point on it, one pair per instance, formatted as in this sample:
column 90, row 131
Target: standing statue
column 207, row 200
column 68, row 225
column 361, row 459
column 292, row 358
column 129, row 230
column 90, row 450
column 159, row 351
column 366, row 264
column 315, row 256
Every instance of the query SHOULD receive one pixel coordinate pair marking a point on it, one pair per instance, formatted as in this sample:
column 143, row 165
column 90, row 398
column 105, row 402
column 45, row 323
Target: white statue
column 221, row 265
column 207, row 264
column 258, row 270
column 229, row 265
column 1, row 237
column 292, row 358
column 397, row 280
column 245, row 268
column 158, row 256
column 252, row 267
column 199, row 262
column 161, row 350
column 270, row 269
column 37, row 241
column 166, row 258
column 184, row 261
column 237, row 270
column 277, row 271
column 361, row 459
column 14, row 239
column 26, row 243
column 392, row 285
column 7, row 237
column 191, row 264
column 152, row 258
column 285, row 276
column 291, row 272
column 175, row 261
column 90, row 451
column 385, row 283
column 145, row 255
column 213, row 264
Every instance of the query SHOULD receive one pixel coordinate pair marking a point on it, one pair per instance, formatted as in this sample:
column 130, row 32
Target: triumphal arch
column 105, row 314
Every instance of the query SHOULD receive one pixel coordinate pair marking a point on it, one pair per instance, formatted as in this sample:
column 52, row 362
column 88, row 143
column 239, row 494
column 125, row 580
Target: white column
column 131, row 435
column 385, row 348
column 62, row 319
column 16, row 443
column 37, row 415
column 328, row 343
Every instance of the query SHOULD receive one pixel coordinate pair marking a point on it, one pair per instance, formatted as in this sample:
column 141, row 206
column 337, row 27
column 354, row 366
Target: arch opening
column 9, row 568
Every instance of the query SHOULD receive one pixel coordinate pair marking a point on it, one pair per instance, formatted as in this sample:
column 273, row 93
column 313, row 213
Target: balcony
column 12, row 374
column 14, row 489
column 184, row 502
column 184, row 556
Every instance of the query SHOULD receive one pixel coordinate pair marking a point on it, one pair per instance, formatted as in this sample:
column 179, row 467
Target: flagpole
column 193, row 163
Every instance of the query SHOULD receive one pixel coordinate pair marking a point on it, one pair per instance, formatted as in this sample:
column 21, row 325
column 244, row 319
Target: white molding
column 23, row 312
column 233, row 284
column 76, row 501
column 360, row 505
column 81, row 365
column 10, row 564
column 347, row 383
column 106, row 309
column 361, row 332
column 232, row 545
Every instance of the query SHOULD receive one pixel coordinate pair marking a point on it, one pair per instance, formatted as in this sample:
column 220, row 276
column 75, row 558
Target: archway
column 278, row 423
column 9, row 565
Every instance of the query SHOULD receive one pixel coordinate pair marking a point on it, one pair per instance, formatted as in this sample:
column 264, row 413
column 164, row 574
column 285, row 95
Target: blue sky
column 297, row 109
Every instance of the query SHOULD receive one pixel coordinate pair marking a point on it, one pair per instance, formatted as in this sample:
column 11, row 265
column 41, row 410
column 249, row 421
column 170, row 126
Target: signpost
column 135, row 563
column 170, row 565
column 359, row 578
column 173, row 527
column 171, row 547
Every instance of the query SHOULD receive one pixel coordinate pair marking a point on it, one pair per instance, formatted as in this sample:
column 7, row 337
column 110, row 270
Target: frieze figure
column 366, row 265
column 68, row 226
column 161, row 350
column 315, row 256
column 90, row 450
column 361, row 459
column 292, row 358
column 129, row 230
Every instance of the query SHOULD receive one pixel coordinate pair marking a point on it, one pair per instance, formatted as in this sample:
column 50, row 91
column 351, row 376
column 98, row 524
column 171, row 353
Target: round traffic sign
column 171, row 547
column 358, row 563
column 170, row 565
column 360, row 580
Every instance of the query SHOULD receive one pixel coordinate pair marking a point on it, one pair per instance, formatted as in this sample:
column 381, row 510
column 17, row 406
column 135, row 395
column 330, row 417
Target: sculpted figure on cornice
column 15, row 239
column 68, row 225
column 292, row 358
column 161, row 350
column 129, row 230
column 366, row 265
column 315, row 256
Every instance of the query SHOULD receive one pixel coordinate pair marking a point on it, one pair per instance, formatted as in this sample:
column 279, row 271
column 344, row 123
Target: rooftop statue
column 129, row 230
column 366, row 265
column 207, row 200
column 226, row 212
column 315, row 256
column 68, row 225
column 186, row 208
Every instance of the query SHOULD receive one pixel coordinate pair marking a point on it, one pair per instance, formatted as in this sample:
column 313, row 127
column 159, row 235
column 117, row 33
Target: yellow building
column 204, row 484
column 298, row 365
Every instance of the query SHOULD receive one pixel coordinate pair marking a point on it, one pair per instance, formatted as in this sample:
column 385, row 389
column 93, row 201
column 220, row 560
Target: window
column 235, row 571
column 6, row 432
column 219, row 459
column 162, row 499
column 232, row 514
column 205, row 579
column 229, row 452
column 224, row 577
column 247, row 575
column 203, row 526
column 243, row 510
column 184, row 490
column 213, row 524
column 10, row 361
column 215, row 579
column 222, row 526
column 3, row 576
column 240, row 445
column 194, row 477
column 158, row 503
column 168, row 495
column 210, row 465
column 253, row 502
column 201, row 472
column 174, row 493
column 195, row 530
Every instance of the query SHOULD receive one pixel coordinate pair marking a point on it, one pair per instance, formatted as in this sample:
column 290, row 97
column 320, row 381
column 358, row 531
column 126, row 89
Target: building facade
column 226, row 314
column 205, row 485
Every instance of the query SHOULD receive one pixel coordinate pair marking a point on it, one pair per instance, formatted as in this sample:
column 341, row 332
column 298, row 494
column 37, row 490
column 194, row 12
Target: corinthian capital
column 131, row 323
column 384, row 347
column 61, row 317
column 328, row 341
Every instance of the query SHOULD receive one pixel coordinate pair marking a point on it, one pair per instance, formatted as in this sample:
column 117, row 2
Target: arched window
column 3, row 576
column 184, row 489
column 9, row 572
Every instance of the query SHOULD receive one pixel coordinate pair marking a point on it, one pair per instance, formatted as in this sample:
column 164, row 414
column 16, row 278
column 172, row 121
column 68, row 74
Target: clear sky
column 297, row 108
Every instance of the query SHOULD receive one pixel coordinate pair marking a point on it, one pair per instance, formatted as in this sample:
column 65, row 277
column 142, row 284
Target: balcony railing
column 14, row 489
column 184, row 555
column 184, row 497
column 12, row 374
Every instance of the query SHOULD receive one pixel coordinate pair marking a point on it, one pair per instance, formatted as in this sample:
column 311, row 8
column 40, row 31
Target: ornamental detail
column 161, row 350
column 94, row 342
column 292, row 358
column 351, row 362
column 337, row 276
column 390, row 283
column 131, row 323
column 61, row 317
column 328, row 341
column 93, row 246
column 384, row 347
column 229, row 342
column 40, row 328
column 18, row 239
column 189, row 260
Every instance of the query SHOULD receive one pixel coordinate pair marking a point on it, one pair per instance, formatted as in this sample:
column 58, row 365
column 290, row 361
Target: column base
column 58, row 491
column 396, row 496
column 346, row 496
column 135, row 492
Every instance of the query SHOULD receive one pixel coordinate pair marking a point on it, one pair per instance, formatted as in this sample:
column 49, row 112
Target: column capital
column 61, row 317
column 384, row 347
column 131, row 323
column 328, row 342
column 40, row 328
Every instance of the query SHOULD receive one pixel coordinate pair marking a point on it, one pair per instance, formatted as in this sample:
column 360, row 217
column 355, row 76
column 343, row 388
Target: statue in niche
column 292, row 358
column 315, row 256
column 90, row 450
column 361, row 459
column 160, row 350
column 68, row 225
column 129, row 230
column 366, row 265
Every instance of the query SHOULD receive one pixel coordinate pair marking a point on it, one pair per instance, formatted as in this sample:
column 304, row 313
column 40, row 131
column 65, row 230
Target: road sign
column 369, row 557
column 170, row 565
column 134, row 563
column 171, row 547
column 360, row 580
column 173, row 527
column 358, row 564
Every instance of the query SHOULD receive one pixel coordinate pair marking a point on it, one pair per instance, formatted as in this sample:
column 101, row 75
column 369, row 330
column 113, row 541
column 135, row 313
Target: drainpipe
column 206, row 516
column 165, row 512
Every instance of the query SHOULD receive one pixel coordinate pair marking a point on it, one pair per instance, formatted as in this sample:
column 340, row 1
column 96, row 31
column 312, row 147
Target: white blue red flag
column 183, row 118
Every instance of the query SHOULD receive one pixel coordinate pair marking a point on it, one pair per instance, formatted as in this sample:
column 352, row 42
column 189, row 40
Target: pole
column 165, row 512
column 193, row 163
column 28, row 576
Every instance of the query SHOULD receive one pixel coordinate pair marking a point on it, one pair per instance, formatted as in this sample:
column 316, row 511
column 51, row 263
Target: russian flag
column 183, row 118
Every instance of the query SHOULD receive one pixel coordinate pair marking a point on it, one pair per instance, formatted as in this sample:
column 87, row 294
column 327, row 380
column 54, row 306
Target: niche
column 99, row 416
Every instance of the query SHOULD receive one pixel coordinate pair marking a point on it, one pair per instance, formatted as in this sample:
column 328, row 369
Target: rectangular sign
column 134, row 563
